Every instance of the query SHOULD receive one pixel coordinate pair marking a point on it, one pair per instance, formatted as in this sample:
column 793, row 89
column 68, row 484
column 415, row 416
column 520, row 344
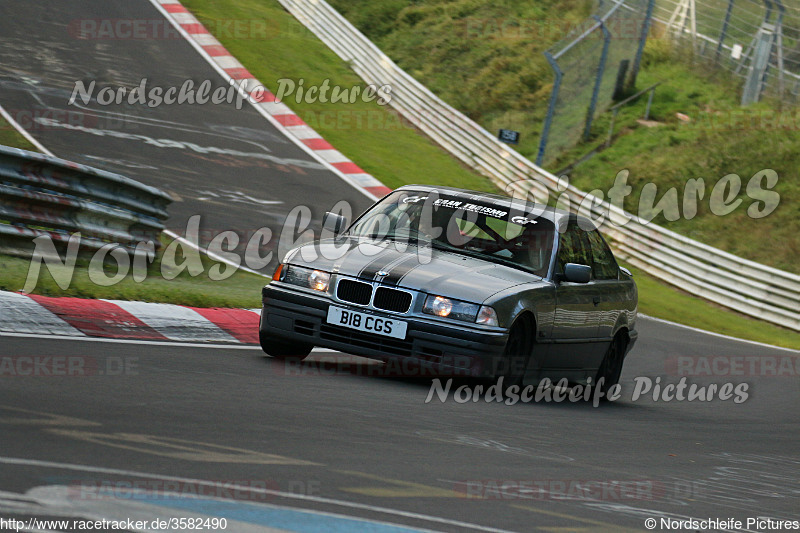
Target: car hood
column 414, row 267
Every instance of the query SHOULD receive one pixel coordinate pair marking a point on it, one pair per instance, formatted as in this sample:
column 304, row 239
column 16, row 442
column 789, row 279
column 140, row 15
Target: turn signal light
column 277, row 275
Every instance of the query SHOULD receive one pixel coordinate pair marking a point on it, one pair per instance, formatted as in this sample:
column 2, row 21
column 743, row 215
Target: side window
column 573, row 248
column 603, row 264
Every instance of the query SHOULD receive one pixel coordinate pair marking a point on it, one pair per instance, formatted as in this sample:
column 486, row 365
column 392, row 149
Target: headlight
column 307, row 277
column 319, row 280
column 487, row 316
column 455, row 309
column 441, row 306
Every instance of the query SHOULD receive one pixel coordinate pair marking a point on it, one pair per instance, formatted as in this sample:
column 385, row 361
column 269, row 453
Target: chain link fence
column 591, row 65
column 757, row 40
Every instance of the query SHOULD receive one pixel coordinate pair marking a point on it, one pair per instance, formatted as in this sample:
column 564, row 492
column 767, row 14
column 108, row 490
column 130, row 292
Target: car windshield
column 490, row 231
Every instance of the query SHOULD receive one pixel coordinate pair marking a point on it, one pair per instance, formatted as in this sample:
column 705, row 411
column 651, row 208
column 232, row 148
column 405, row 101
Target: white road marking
column 171, row 125
column 212, row 255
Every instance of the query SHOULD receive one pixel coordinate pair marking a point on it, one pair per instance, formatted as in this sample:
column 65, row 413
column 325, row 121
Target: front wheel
column 611, row 367
column 281, row 349
column 519, row 348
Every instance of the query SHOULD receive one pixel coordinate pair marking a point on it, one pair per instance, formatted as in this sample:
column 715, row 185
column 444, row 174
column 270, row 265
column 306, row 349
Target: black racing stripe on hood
column 400, row 270
column 383, row 260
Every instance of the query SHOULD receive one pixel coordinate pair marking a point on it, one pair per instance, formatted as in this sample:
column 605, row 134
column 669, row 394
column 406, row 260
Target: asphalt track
column 336, row 438
column 229, row 165
column 342, row 438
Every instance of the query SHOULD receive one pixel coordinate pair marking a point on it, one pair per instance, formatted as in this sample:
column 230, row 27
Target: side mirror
column 334, row 223
column 575, row 273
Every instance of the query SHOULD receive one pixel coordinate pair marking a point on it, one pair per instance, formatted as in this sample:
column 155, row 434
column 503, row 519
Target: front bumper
column 456, row 349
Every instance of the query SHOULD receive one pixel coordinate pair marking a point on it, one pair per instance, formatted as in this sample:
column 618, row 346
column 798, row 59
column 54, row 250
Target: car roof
column 557, row 216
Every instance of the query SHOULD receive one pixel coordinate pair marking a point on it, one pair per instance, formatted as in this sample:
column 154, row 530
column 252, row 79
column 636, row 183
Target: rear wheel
column 611, row 367
column 519, row 347
column 281, row 349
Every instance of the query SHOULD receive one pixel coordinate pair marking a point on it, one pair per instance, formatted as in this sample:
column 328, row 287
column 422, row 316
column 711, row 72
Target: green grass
column 242, row 289
column 9, row 136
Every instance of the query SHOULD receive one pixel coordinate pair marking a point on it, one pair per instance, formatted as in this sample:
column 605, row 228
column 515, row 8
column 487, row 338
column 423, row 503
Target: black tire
column 517, row 354
column 281, row 349
column 611, row 367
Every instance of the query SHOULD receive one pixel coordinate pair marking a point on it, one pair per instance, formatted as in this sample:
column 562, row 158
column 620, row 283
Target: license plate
column 387, row 327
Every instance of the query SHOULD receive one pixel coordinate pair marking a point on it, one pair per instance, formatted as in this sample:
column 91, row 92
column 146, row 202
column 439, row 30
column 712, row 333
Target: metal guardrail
column 756, row 290
column 45, row 195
